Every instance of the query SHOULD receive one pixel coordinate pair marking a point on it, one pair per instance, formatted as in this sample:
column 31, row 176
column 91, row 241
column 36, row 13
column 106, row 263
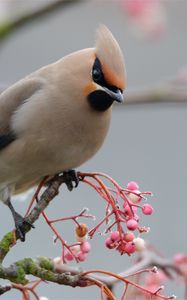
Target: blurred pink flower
column 181, row 77
column 152, row 282
column 147, row 17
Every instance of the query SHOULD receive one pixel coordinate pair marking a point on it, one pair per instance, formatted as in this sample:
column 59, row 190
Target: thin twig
column 164, row 93
column 170, row 92
column 148, row 259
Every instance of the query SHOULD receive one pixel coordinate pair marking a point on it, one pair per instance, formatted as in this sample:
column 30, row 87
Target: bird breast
column 82, row 134
column 67, row 138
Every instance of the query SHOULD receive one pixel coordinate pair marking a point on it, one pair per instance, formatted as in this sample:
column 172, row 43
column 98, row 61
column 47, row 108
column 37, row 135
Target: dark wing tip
column 7, row 139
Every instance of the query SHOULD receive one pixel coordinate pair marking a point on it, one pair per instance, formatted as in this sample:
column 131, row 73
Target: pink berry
column 129, row 236
column 129, row 211
column 69, row 256
column 85, row 247
column 130, row 248
column 121, row 247
column 132, row 224
column 134, row 198
column 115, row 236
column 147, row 209
column 82, row 256
column 132, row 186
column 75, row 249
column 109, row 244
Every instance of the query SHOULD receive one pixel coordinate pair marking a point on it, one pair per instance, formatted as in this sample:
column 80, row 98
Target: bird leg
column 19, row 221
column 71, row 176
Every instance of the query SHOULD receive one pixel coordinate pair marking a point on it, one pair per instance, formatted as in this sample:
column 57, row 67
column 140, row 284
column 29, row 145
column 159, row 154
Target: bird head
column 108, row 76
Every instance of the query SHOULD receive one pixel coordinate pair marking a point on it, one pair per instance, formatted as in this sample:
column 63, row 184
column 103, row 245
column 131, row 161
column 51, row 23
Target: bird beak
column 115, row 95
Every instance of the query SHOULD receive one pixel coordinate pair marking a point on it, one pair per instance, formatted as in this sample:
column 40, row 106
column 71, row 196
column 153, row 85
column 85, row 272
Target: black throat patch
column 100, row 100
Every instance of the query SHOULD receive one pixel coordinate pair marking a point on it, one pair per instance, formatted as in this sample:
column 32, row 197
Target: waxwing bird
column 56, row 118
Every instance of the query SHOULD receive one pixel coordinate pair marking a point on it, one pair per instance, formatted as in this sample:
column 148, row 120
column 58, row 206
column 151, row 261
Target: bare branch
column 45, row 269
column 165, row 93
column 10, row 27
column 170, row 92
column 148, row 259
column 52, row 190
column 55, row 270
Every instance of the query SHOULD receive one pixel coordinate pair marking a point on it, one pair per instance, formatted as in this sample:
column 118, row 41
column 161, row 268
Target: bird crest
column 110, row 55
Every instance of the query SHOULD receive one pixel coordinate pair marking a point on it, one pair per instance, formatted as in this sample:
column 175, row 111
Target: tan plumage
column 54, row 126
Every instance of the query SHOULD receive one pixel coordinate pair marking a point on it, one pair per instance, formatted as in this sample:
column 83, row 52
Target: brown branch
column 170, row 92
column 47, row 269
column 10, row 27
column 51, row 191
column 148, row 259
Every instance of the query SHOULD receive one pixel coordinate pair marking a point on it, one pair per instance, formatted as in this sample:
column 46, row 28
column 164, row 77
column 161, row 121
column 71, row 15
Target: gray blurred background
column 146, row 143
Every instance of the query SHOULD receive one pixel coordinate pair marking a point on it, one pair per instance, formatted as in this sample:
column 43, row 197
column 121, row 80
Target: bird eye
column 97, row 75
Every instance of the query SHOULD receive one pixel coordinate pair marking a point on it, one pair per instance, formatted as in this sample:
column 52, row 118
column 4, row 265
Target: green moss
column 2, row 273
column 5, row 245
column 20, row 276
column 47, row 275
column 41, row 267
column 46, row 263
column 5, row 29
column 25, row 264
column 7, row 242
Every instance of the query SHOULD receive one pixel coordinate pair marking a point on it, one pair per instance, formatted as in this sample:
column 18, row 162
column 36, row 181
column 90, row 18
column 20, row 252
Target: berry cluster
column 122, row 211
column 124, row 240
column 81, row 249
column 122, row 207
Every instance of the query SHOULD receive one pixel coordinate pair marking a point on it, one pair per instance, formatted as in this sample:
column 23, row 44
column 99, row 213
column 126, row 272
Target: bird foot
column 20, row 223
column 71, row 177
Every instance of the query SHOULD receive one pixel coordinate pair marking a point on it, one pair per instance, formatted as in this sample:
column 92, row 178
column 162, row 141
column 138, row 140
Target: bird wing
column 6, row 139
column 10, row 101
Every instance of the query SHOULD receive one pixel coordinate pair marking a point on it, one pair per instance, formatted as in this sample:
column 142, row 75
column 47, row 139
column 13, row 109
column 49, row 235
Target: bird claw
column 20, row 223
column 70, row 177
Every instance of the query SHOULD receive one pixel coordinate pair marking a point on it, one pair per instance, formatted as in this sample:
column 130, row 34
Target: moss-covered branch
column 42, row 268
column 57, row 271
column 51, row 191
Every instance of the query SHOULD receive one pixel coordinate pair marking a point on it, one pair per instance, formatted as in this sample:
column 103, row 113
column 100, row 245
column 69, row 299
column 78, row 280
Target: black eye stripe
column 97, row 69
column 98, row 76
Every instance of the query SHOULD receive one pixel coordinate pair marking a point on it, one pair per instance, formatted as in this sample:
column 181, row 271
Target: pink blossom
column 148, row 16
